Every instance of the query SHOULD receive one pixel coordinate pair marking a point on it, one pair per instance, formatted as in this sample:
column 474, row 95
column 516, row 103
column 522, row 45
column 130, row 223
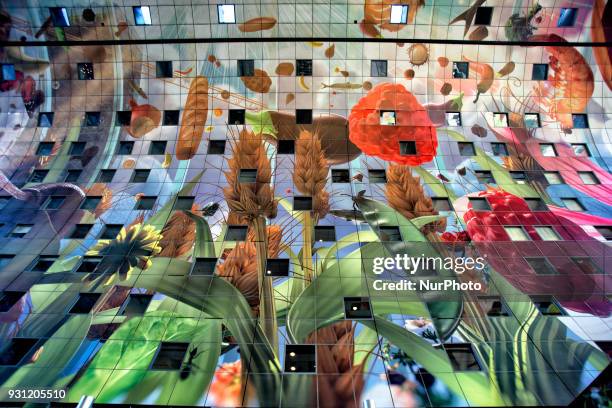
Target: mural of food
column 194, row 119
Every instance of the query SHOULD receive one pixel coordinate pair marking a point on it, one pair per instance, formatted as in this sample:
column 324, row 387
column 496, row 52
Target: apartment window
column 277, row 267
column 479, row 204
column 605, row 231
column 586, row 265
column 536, row 204
column 517, row 234
column 548, row 150
column 92, row 119
column 45, row 119
column 572, row 204
column 45, row 148
column 247, row 176
column 43, row 263
column 580, row 121
column 408, row 148
column 184, row 203
column 142, row 15
column 539, row 72
column 170, row 356
column 532, row 120
column 204, row 266
column 357, row 308
column 378, row 68
column 399, row 14
column 553, row 177
column 541, row 266
column 54, row 202
column 105, row 176
column 7, row 72
column 377, row 176
column 136, row 304
column 163, row 69
column 72, row 176
column 216, row 147
column 80, row 231
column 111, row 231
column 462, row 357
column 171, row 118
column 9, row 299
column 16, row 351
column 246, row 68
column 226, row 13
column 236, row 233
column 453, row 119
column 85, row 71
column 236, row 117
column 89, row 264
column 588, row 177
column 124, row 118
column 38, row 176
column 500, row 120
column 499, row 149
column 76, row 148
column 300, row 358
column 547, row 306
column 303, row 67
column 324, row 233
column 387, row 118
column 140, row 175
column 157, row 147
column 145, row 203
column 567, row 17
column 461, row 70
column 340, row 176
column 5, row 259
column 484, row 177
column 390, row 234
column 302, row 203
column 493, row 305
column 581, row 149
column 466, row 149
column 20, row 230
column 520, row 177
column 59, row 16
column 285, row 147
column 90, row 203
column 483, row 16
column 547, row 233
column 441, row 204
column 85, row 303
column 303, row 116
column 125, row 148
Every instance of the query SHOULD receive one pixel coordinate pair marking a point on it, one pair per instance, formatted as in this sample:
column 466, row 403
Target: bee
column 189, row 364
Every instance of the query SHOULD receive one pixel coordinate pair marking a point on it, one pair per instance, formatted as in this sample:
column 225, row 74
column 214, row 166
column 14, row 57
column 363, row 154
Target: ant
column 189, row 364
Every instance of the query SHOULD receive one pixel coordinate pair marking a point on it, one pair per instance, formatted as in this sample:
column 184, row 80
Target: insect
column 210, row 209
column 189, row 364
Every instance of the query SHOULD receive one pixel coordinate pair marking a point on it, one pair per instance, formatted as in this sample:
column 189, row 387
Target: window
column 605, row 231
column 227, row 13
column 43, row 263
column 105, row 176
column 125, row 148
column 7, row 72
column 4, row 201
column 483, row 16
column 588, row 177
column 408, row 148
column 5, row 259
column 548, row 150
column 567, row 17
column 45, row 148
column 581, row 149
column 390, row 234
column 441, row 204
column 520, row 177
column 236, row 117
column 377, row 176
column 216, row 147
column 303, row 67
column 136, row 304
column 184, row 203
column 145, row 203
column 461, row 70
column 111, row 231
column 20, row 230
column 54, row 202
column 157, row 147
column 541, row 266
column 499, row 149
column 236, row 233
column 532, row 120
column 59, row 16
column 285, row 147
column 479, row 204
column 80, row 231
column 16, row 351
column 9, row 299
column 387, row 118
column 85, row 303
column 77, row 148
column 539, row 72
column 466, row 149
column 163, row 69
column 536, row 204
column 300, row 358
column 204, row 266
column 92, row 119
column 302, row 203
column 85, row 71
column 493, row 305
column 517, row 234
column 90, row 203
column 500, row 120
column 340, row 176
column 246, row 68
column 89, row 264
column 170, row 356
column 357, row 308
column 247, row 176
column 171, row 118
column 462, row 357
column 324, row 233
column 277, row 267
column 586, row 265
column 399, row 14
column 453, row 119
column 484, row 177
column 124, row 118
column 140, row 175
column 38, row 176
column 303, row 116
column 553, row 177
column 72, row 176
column 572, row 204
column 142, row 15
column 45, row 119
column 378, row 68
column 580, row 121
column 547, row 306
column 547, row 233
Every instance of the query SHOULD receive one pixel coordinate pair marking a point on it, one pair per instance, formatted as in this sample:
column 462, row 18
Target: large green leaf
column 205, row 245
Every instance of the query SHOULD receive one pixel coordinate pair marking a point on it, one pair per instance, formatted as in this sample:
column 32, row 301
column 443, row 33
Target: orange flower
column 227, row 385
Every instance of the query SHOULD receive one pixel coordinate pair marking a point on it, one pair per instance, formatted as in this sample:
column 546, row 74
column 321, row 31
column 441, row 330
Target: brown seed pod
column 367, row 85
column 329, row 53
column 290, row 97
column 446, row 89
column 409, row 74
column 284, row 69
column 257, row 24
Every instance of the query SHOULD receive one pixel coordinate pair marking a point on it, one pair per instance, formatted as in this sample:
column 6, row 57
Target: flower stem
column 267, row 312
column 307, row 249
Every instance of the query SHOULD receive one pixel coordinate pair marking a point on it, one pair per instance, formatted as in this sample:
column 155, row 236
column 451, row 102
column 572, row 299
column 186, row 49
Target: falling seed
column 211, row 58
column 367, row 85
column 208, row 129
column 288, row 191
column 344, row 73
column 446, row 89
column 443, row 61
column 225, row 94
column 290, row 97
column 479, row 130
column 461, row 171
column 358, row 177
column 129, row 164
column 217, row 112
column 329, row 53
column 337, row 69
column 409, row 73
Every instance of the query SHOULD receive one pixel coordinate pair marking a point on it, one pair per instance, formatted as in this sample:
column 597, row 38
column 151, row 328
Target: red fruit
column 412, row 124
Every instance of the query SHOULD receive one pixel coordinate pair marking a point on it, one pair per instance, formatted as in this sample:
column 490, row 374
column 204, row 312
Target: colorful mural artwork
column 376, row 204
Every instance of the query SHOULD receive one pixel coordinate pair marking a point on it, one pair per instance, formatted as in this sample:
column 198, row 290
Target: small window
column 356, row 308
column 539, row 72
column 9, row 299
column 479, row 204
column 90, row 203
column 45, row 148
column 59, row 16
column 227, row 13
column 586, row 265
column 462, row 357
column 170, row 356
column 171, row 118
column 303, row 116
column 277, row 267
column 553, row 177
column 140, row 175
column 92, row 119
column 378, row 68
column 324, row 233
column 500, row 120
column 541, row 266
column 588, row 177
column 483, row 16
column 517, row 234
column 124, row 118
column 377, row 176
column 246, row 68
column 453, row 119
column 216, row 147
column 85, row 71
column 125, row 148
column 499, row 149
column 145, row 203
column 236, row 117
column 387, row 118
column 157, row 147
column 567, row 17
column 184, row 203
column 204, row 266
column 136, row 304
column 5, row 259
column 572, row 204
column 536, row 204
column 548, row 150
column 547, row 233
column 547, row 306
column 441, row 204
column 302, row 203
column 7, row 72
column 580, row 121
column 532, row 120
column 111, row 231
column 581, row 149
column 43, row 263
column 247, row 176
column 163, row 69
column 72, row 176
column 484, row 177
column 494, row 306
column 300, row 358
column 605, row 232
column 390, row 234
column 45, row 119
column 236, row 233
column 54, row 202
column 303, row 67
column 285, row 147
column 408, row 148
column 38, row 176
column 20, row 230
column 340, row 176
column 105, row 176
column 466, row 149
column 77, row 148
column 89, row 264
column 16, row 351
column 399, row 14
column 520, row 177
column 85, row 303
column 80, row 231
column 461, row 70
column 142, row 15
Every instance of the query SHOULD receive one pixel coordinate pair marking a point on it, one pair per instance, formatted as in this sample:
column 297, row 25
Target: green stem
column 267, row 311
column 307, row 266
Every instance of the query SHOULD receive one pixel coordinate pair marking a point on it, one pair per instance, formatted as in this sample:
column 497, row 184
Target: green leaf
column 420, row 222
column 261, row 123
column 434, row 183
column 205, row 245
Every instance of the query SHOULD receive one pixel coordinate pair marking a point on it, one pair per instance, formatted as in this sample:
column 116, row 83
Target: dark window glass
column 462, row 357
column 16, row 351
column 547, row 306
column 45, row 148
column 519, row 176
column 204, row 266
column 605, row 231
column 378, row 68
column 567, row 17
column 89, row 264
column 340, row 176
column 216, row 147
column 125, row 148
column 580, row 121
column 43, row 263
column 45, row 119
column 171, row 118
column 9, row 299
column 20, row 230
column 136, row 304
column 357, row 308
column 90, row 203
column 92, row 118
column 163, row 69
column 484, row 176
column 581, row 149
column 184, row 203
column 302, row 203
column 277, row 267
column 157, row 147
column 38, row 176
column 377, row 176
column 324, row 233
column 541, row 266
column 303, row 116
column 59, row 16
column 142, row 15
column 105, row 176
column 140, row 175
column 532, row 120
column 85, row 71
column 479, row 204
column 390, row 234
column 408, row 148
column 247, row 176
column 111, row 231
column 124, row 118
column 483, row 16
column 145, row 203
column 536, row 204
column 77, row 148
column 466, row 149
column 461, row 70
column 303, row 67
column 236, row 116
column 285, row 147
column 72, row 176
column 499, row 149
column 170, row 356
column 300, row 358
column 246, row 68
column 493, row 305
column 54, row 202
column 441, row 204
column 80, row 231
column 236, row 233
column 539, row 72
column 85, row 303
column 5, row 259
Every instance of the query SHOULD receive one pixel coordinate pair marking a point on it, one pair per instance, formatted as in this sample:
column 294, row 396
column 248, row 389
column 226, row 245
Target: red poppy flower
column 412, row 123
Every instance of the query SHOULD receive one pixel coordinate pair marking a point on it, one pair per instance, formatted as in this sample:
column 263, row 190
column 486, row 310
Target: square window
column 520, row 177
column 136, row 304
column 125, row 148
column 586, row 265
column 324, row 233
column 479, row 204
column 340, row 176
column 387, row 118
column 236, row 233
column 547, row 233
column 553, row 177
column 142, row 15
column 277, row 267
column 38, row 176
column 377, row 176
column 408, row 148
column 541, row 266
column 441, row 204
column 54, row 202
column 169, row 356
column 16, row 351
column 580, row 121
column 399, row 14
column 285, row 147
column 493, row 305
column 20, row 230
column 303, row 116
column 45, row 119
column 500, row 120
column 105, row 176
column 461, row 70
column 216, row 147
column 246, row 68
column 90, row 203
column 72, row 176
column 567, row 17
column 539, row 72
column 226, row 13
column 145, row 203
column 77, row 148
column 390, row 234
column 157, row 147
column 124, row 118
column 85, row 303
column 163, row 69
column 45, row 148
column 532, row 120
column 588, row 177
column 111, row 231
column 7, row 73
column 378, row 68
column 605, row 231
column 453, row 119
column 547, row 306
column 204, row 266
column 466, row 148
column 548, row 150
column 236, row 116
column 484, row 177
column 517, row 234
column 59, row 16
column 171, row 118
column 303, row 67
column 92, row 118
column 85, row 71
column 572, row 204
column 499, row 149
column 184, row 203
column 43, row 263
column 5, row 259
column 89, row 264
column 140, row 175
column 247, row 176
column 80, row 231
column 300, row 358
column 581, row 149
column 357, row 308
column 483, row 16
column 536, row 204
column 9, row 299
column 302, row 203
column 462, row 357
